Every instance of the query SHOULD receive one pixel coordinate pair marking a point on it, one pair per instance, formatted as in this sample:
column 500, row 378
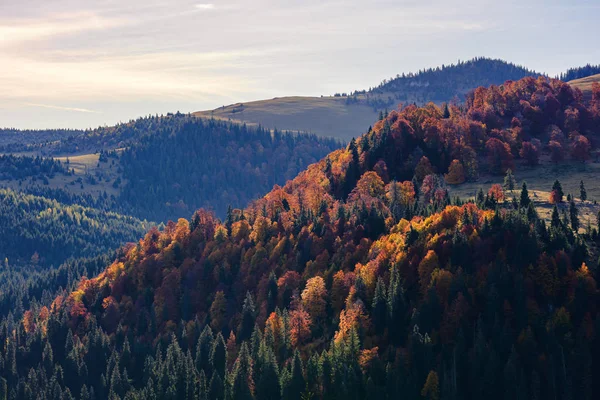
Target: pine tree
column 509, row 180
column 557, row 188
column 248, row 317
column 296, row 384
column 218, row 355
column 272, row 293
column 574, row 216
column 379, row 307
column 582, row 192
column 242, row 385
column 524, row 201
column 555, row 223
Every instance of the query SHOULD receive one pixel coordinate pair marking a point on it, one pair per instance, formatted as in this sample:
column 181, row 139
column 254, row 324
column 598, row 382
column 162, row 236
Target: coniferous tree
column 557, row 188
column 524, row 200
column 574, row 216
column 509, row 180
column 582, row 192
column 241, row 382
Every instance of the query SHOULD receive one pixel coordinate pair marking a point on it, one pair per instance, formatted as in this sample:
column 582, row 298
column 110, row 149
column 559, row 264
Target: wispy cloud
column 205, row 6
column 15, row 31
column 75, row 109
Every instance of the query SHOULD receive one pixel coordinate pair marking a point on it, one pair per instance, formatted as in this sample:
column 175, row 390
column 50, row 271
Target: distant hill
column 585, row 85
column 349, row 115
column 165, row 167
column 324, row 116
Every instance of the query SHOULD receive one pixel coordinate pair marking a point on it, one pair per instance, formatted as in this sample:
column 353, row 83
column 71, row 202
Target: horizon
column 69, row 65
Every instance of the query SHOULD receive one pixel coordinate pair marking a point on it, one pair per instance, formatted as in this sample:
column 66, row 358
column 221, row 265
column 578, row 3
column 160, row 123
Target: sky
column 83, row 63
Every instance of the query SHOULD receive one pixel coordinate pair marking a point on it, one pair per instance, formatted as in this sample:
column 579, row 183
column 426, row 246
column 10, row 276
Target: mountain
column 359, row 278
column 160, row 168
column 346, row 116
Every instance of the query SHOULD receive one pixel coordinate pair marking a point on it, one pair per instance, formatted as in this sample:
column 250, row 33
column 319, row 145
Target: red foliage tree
column 496, row 192
column 556, row 151
column 580, row 148
column 499, row 156
column 530, row 153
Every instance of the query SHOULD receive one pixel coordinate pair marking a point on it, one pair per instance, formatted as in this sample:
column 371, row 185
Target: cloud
column 82, row 110
column 19, row 30
column 205, row 6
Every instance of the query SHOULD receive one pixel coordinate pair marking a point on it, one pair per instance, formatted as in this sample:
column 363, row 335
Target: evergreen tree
column 557, row 188
column 509, row 180
column 248, row 317
column 555, row 223
column 524, row 200
column 574, row 216
column 242, row 385
column 582, row 192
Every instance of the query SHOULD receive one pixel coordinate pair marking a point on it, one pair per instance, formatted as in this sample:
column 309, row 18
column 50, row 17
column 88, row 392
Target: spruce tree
column 555, row 223
column 509, row 180
column 574, row 216
column 582, row 192
column 524, row 201
column 557, row 187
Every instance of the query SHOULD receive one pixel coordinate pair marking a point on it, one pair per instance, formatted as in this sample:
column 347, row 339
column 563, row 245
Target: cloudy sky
column 84, row 63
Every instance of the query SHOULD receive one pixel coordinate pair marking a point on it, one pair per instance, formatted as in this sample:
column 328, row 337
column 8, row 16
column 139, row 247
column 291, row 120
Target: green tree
column 557, row 188
column 524, row 201
column 509, row 180
column 574, row 216
column 242, row 385
column 582, row 191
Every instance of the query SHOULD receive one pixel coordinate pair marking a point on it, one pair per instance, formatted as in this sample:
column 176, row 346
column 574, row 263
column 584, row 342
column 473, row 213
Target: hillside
column 41, row 232
column 585, row 84
column 359, row 278
column 324, row 116
column 345, row 116
column 169, row 166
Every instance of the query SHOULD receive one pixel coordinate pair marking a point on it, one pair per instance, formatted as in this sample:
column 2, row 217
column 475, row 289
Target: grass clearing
column 539, row 184
column 323, row 116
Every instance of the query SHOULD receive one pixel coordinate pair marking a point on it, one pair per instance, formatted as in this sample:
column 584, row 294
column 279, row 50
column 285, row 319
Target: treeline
column 578, row 73
column 23, row 167
column 39, row 231
column 18, row 140
column 190, row 163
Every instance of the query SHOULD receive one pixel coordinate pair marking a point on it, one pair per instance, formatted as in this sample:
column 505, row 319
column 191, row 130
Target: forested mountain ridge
column 210, row 164
column 357, row 279
column 169, row 167
column 329, row 115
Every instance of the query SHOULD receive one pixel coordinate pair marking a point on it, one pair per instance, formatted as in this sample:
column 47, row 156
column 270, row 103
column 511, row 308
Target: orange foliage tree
column 456, row 173
column 496, row 192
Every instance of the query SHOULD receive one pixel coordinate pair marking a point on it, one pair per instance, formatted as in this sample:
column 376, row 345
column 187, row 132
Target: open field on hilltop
column 585, row 84
column 90, row 176
column 323, row 116
column 539, row 183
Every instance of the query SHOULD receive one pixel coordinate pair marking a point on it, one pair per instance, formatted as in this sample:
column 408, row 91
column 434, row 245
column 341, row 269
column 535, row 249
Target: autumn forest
column 173, row 257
